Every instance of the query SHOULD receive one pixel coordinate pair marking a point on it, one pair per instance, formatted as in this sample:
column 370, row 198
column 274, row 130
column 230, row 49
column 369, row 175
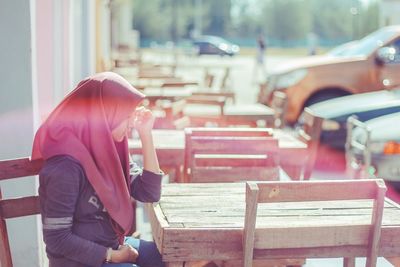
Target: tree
column 286, row 20
column 219, row 16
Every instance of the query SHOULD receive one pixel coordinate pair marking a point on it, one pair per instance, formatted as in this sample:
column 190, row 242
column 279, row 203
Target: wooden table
column 235, row 114
column 205, row 222
column 170, row 146
column 153, row 94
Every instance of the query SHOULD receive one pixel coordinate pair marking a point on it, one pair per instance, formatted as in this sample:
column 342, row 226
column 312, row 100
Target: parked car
column 214, row 45
column 341, row 50
column 370, row 64
column 365, row 106
column 383, row 148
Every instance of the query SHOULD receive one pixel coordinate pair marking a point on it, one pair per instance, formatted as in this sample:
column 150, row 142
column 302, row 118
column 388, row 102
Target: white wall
column 82, row 40
column 16, row 120
column 47, row 47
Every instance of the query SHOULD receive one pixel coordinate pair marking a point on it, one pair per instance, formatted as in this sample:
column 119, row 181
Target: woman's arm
column 147, row 186
column 144, row 122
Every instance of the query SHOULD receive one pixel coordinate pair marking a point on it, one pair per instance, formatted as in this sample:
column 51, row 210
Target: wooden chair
column 225, row 80
column 279, row 105
column 208, row 80
column 22, row 206
column 17, row 207
column 358, row 167
column 255, row 239
column 310, row 133
column 170, row 115
column 230, row 154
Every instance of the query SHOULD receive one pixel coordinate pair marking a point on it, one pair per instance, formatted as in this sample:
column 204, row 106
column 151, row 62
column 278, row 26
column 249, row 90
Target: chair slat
column 19, row 168
column 317, row 190
column 17, row 207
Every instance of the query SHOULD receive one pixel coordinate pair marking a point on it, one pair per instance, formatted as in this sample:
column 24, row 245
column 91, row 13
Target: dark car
column 365, row 106
column 214, row 45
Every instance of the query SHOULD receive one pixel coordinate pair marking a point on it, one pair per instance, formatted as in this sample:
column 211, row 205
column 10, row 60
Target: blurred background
column 286, row 23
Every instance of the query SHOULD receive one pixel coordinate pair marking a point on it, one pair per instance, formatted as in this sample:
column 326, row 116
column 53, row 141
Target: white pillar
column 17, row 121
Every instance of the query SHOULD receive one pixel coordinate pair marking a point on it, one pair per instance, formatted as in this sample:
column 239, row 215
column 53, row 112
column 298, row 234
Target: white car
column 380, row 151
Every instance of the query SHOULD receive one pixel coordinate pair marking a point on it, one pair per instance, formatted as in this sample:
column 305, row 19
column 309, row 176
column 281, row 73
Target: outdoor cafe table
column 153, row 94
column 170, row 146
column 205, row 222
column 236, row 114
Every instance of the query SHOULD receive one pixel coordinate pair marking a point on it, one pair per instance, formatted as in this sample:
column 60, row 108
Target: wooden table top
column 257, row 111
column 205, row 222
column 175, row 140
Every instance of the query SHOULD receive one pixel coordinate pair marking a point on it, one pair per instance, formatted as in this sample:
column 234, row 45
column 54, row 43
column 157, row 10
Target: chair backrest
column 311, row 128
column 358, row 168
column 230, row 154
column 17, row 207
column 262, row 96
column 300, row 191
column 279, row 105
column 310, row 133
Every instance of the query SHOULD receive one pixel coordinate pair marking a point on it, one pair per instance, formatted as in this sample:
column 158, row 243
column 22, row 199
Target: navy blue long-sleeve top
column 77, row 229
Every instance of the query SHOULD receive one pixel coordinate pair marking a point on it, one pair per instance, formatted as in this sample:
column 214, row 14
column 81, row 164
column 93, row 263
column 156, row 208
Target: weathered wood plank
column 206, row 223
column 19, row 168
column 17, row 207
column 157, row 222
column 316, row 190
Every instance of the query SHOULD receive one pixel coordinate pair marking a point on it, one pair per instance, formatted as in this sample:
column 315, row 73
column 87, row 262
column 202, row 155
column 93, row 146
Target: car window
column 396, row 46
column 370, row 43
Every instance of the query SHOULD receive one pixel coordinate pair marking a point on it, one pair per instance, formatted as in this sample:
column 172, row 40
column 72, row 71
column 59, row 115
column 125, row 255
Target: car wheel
column 395, row 185
column 322, row 96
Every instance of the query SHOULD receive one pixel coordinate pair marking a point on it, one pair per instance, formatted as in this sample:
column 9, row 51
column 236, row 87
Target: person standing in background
column 260, row 59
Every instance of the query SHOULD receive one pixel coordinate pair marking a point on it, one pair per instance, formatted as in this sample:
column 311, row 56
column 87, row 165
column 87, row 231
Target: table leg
column 349, row 262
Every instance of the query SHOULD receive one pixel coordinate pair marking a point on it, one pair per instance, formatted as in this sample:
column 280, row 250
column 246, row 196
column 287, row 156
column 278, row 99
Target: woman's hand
column 125, row 253
column 144, row 120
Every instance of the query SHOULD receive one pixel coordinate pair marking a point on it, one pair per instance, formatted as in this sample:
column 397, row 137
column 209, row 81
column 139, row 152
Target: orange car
column 372, row 63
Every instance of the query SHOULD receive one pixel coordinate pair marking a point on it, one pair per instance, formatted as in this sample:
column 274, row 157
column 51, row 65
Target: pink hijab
column 80, row 126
